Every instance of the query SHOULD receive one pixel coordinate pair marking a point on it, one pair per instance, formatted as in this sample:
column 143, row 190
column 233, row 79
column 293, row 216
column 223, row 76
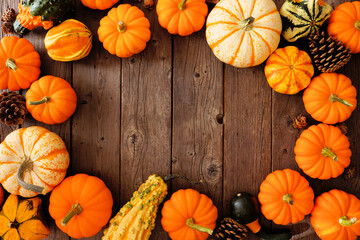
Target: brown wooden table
column 174, row 108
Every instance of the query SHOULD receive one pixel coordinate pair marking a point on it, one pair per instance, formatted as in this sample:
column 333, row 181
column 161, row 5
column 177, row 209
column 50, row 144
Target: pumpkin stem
column 247, row 23
column 121, row 27
column 182, row 5
column 357, row 24
column 335, row 98
column 76, row 209
column 327, row 152
column 27, row 165
column 191, row 224
column 46, row 99
column 173, row 176
column 345, row 221
column 288, row 199
column 10, row 63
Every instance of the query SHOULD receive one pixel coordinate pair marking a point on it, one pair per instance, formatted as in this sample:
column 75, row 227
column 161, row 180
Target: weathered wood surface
column 175, row 108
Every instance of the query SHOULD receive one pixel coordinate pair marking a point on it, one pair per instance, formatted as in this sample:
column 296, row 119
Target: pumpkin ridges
column 228, row 12
column 232, row 60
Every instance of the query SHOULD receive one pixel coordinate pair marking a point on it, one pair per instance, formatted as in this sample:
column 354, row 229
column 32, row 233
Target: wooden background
column 174, row 108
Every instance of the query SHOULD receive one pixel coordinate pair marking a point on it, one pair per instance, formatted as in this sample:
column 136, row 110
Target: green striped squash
column 303, row 17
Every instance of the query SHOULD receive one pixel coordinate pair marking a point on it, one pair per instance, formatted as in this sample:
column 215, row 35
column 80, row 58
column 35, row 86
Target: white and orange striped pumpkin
column 243, row 33
column 33, row 160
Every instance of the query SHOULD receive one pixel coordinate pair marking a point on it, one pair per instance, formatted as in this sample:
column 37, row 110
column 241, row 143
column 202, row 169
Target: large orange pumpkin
column 322, row 151
column 81, row 205
column 182, row 17
column 99, row 4
column 336, row 215
column 33, row 160
column 19, row 63
column 124, row 31
column 330, row 98
column 344, row 24
column 285, row 197
column 51, row 100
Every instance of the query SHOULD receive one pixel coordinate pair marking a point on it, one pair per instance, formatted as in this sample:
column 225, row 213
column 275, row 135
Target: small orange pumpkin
column 336, row 215
column 289, row 70
column 344, row 24
column 19, row 63
column 81, row 205
column 124, row 31
column 330, row 98
column 51, row 100
column 182, row 17
column 286, row 197
column 189, row 215
column 322, row 151
column 99, row 4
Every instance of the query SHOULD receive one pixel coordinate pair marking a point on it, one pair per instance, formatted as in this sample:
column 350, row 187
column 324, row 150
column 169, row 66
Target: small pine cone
column 9, row 15
column 12, row 108
column 328, row 54
column 149, row 4
column 344, row 129
column 229, row 229
column 8, row 28
column 350, row 173
column 300, row 122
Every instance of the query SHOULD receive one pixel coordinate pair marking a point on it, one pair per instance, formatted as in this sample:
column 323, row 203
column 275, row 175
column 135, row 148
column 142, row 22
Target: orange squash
column 322, row 151
column 330, row 98
column 81, row 205
column 124, row 31
column 99, row 4
column 344, row 24
column 51, row 100
column 182, row 17
column 336, row 215
column 286, row 197
column 189, row 215
column 19, row 63
column 289, row 70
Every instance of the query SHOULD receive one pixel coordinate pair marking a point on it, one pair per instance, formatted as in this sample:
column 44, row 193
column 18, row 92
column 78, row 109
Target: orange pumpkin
column 99, row 4
column 289, row 70
column 182, row 17
column 19, row 63
column 285, row 197
column 322, row 151
column 124, row 31
column 81, row 205
column 51, row 100
column 189, row 215
column 344, row 24
column 336, row 215
column 330, row 98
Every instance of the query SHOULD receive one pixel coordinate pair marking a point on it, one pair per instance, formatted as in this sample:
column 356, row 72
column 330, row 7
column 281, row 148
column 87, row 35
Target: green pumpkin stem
column 335, row 98
column 345, row 221
column 247, row 23
column 191, row 224
column 25, row 166
column 288, row 199
column 76, row 209
column 327, row 152
column 10, row 63
column 357, row 24
column 46, row 99
column 182, row 5
column 121, row 27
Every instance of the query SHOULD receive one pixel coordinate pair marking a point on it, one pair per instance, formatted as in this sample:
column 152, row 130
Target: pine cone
column 342, row 126
column 329, row 54
column 9, row 15
column 300, row 122
column 350, row 173
column 229, row 229
column 12, row 108
column 8, row 28
column 149, row 4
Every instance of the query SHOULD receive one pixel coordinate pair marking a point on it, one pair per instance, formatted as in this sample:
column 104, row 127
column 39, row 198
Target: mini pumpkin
column 303, row 17
column 243, row 33
column 51, row 100
column 99, row 4
column 69, row 41
column 182, row 17
column 344, row 24
column 330, row 98
column 322, row 151
column 33, row 160
column 286, row 197
column 336, row 215
column 289, row 70
column 81, row 205
column 124, row 31
column 19, row 63
column 189, row 215
column 22, row 219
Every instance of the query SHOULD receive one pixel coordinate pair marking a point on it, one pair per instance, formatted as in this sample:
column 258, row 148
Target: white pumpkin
column 243, row 33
